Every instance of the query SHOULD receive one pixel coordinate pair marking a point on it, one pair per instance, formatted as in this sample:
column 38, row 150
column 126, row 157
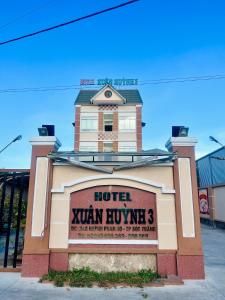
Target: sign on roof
column 105, row 81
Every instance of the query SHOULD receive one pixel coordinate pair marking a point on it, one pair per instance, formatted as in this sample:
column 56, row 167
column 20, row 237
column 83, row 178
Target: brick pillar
column 100, row 121
column 190, row 263
column 139, row 127
column 100, row 146
column 115, row 129
column 115, row 146
column 100, row 129
column 35, row 260
column 77, row 128
column 115, row 121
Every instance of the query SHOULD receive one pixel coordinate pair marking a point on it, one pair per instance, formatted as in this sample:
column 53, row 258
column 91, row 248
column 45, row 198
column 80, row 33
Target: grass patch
column 85, row 277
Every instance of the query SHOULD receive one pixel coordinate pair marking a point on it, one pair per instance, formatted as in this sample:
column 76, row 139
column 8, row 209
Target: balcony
column 108, row 135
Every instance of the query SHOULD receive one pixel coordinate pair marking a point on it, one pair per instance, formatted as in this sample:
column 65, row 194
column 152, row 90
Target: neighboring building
column 108, row 120
column 211, row 183
column 109, row 201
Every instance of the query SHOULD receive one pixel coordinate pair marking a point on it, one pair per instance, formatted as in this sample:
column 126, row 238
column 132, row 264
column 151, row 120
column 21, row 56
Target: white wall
column 219, row 193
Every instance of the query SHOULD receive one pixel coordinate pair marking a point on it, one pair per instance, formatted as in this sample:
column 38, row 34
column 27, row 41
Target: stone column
column 35, row 261
column 190, row 263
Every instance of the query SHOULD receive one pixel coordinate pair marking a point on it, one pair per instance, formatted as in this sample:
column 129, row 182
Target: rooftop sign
column 105, row 81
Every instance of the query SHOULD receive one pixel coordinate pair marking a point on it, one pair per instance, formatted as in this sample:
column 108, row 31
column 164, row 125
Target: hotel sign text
column 105, row 81
column 113, row 212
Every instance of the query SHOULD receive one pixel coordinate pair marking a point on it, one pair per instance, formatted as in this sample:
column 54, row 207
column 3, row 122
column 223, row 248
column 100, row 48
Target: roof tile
column 132, row 96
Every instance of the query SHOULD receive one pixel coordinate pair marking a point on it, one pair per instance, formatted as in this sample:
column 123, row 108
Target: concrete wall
column 113, row 262
column 216, row 203
column 219, row 193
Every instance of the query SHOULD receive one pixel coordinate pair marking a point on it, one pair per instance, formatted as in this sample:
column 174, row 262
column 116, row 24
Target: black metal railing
column 13, row 202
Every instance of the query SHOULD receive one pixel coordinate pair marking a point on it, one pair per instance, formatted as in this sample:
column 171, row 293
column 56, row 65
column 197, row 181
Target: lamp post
column 212, row 139
column 19, row 137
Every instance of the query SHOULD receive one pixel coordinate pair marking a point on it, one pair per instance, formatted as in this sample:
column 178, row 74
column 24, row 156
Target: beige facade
column 40, row 192
column 100, row 98
column 95, row 128
column 68, row 179
column 187, row 210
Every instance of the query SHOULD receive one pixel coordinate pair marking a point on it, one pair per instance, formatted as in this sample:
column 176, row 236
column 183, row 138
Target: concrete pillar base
column 190, row 266
column 35, row 265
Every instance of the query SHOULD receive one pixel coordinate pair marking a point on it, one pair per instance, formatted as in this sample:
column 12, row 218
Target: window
column 108, row 122
column 108, row 147
column 127, row 147
column 89, row 146
column 89, row 122
column 127, row 122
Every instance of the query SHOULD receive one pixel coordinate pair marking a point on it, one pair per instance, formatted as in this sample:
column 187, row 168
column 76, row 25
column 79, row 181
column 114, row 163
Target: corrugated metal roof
column 132, row 96
column 211, row 171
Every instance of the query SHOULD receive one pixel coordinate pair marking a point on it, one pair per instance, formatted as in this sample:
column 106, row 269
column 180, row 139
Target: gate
column 13, row 204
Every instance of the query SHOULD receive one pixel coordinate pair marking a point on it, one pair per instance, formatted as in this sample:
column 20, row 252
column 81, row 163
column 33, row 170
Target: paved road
column 14, row 287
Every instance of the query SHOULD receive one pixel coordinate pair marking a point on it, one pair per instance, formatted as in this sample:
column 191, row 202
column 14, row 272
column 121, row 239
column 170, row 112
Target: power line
column 69, row 22
column 95, row 86
column 184, row 79
column 181, row 79
column 29, row 12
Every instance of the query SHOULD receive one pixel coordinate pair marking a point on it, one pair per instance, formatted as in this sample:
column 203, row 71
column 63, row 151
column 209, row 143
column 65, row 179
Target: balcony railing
column 108, row 135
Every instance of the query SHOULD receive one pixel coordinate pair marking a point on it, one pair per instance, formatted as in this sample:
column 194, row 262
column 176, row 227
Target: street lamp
column 216, row 141
column 212, row 139
column 215, row 157
column 19, row 137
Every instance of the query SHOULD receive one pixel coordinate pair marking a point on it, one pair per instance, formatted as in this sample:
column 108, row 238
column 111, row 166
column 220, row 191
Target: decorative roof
column 150, row 152
column 132, row 96
column 118, row 160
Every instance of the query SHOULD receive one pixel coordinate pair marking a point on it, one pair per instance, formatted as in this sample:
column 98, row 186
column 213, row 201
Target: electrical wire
column 95, row 86
column 183, row 79
column 68, row 23
column 29, row 12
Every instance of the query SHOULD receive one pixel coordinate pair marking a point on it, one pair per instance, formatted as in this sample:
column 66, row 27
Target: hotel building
column 108, row 120
column 108, row 204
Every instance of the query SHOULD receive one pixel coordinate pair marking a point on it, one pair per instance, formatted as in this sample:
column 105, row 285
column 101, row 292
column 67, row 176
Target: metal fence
column 13, row 203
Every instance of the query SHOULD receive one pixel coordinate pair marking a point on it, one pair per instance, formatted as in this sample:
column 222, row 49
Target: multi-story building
column 108, row 120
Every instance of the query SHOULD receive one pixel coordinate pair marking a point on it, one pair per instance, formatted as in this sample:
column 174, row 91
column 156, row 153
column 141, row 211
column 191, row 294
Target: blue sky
column 147, row 40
